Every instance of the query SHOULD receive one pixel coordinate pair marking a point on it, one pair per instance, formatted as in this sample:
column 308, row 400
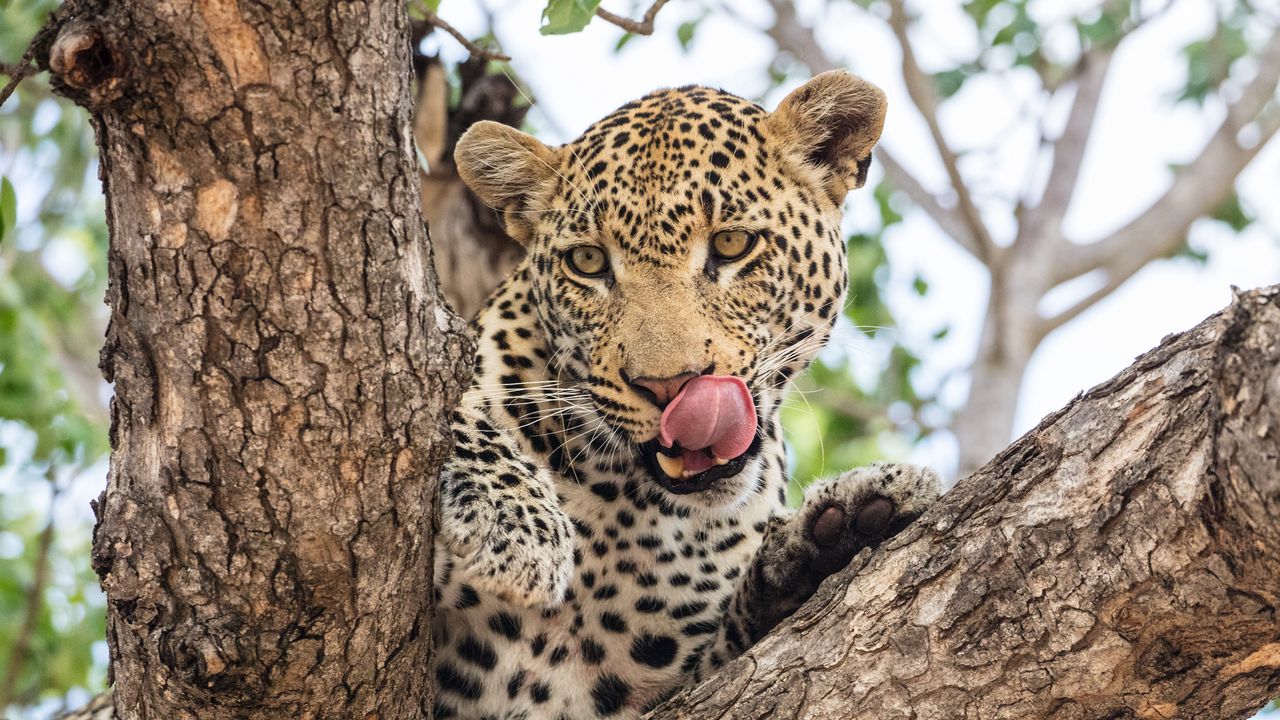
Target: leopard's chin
column 666, row 467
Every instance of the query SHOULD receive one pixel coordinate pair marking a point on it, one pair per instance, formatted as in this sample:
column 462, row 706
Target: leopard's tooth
column 719, row 460
column 672, row 466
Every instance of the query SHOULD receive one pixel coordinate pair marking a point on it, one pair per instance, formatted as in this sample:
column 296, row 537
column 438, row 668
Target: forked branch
column 1197, row 190
column 643, row 26
column 923, row 93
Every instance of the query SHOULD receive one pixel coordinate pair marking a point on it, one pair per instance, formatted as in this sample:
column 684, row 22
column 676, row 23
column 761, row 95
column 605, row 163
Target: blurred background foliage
column 861, row 401
column 53, row 244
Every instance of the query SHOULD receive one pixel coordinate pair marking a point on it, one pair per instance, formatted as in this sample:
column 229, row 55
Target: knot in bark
column 86, row 63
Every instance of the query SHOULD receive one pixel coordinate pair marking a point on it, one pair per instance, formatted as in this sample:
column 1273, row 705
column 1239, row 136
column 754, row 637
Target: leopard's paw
column 525, row 558
column 858, row 509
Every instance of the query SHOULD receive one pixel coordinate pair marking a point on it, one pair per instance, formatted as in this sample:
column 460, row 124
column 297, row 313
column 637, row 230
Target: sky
column 577, row 79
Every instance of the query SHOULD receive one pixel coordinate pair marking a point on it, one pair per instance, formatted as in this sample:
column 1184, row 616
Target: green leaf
column 622, row 41
column 1186, row 252
column 685, row 32
column 949, row 82
column 920, row 285
column 8, row 208
column 884, row 196
column 433, row 5
column 1209, row 61
column 1233, row 213
column 561, row 17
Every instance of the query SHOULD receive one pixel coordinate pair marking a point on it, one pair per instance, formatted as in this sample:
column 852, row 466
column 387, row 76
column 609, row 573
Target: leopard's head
column 686, row 257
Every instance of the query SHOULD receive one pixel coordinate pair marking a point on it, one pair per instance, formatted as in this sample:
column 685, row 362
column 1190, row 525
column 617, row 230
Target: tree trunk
column 283, row 362
column 473, row 251
column 1118, row 561
column 984, row 426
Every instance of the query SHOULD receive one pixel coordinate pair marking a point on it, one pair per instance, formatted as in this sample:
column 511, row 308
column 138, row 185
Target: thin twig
column 43, row 39
column 643, row 26
column 471, row 47
column 17, row 73
column 923, row 94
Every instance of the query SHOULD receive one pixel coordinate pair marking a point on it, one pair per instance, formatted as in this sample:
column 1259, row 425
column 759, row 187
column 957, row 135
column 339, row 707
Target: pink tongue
column 711, row 411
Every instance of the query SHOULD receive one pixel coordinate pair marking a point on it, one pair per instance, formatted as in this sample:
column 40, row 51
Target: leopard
column 614, row 521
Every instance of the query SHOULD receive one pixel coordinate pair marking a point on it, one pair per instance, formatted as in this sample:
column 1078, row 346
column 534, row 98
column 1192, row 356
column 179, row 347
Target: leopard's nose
column 660, row 391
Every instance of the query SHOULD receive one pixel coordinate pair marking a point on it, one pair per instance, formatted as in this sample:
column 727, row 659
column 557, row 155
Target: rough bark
column 282, row 360
column 1119, row 561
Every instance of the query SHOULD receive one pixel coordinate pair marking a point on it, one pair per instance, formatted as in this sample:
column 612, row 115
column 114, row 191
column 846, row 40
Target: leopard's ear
column 508, row 170
column 832, row 123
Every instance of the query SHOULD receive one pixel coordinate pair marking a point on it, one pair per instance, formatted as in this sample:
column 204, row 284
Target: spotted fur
column 572, row 584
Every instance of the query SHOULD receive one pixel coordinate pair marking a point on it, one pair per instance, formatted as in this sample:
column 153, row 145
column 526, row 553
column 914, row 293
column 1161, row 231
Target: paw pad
column 874, row 517
column 829, row 526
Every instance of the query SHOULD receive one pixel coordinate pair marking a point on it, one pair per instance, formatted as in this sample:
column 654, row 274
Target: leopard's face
column 689, row 233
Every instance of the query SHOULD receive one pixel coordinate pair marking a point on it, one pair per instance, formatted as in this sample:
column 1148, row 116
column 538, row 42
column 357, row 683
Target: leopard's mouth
column 682, row 472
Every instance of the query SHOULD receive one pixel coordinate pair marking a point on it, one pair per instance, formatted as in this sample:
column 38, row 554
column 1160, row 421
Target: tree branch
column 17, row 72
column 921, row 89
column 1197, row 189
column 644, row 26
column 946, row 218
column 1118, row 560
column 1069, row 148
column 797, row 39
column 463, row 40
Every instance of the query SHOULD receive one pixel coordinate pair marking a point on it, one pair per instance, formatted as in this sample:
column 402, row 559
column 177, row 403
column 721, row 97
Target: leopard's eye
column 732, row 244
column 588, row 260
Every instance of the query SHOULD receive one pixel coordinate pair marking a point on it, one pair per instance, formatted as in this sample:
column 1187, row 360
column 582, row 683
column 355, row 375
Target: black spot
column 606, row 490
column 649, row 605
column 450, row 679
column 477, row 652
column 730, row 541
column 654, row 650
column 467, row 597
column 514, row 685
column 610, row 694
column 540, row 692
column 719, row 159
column 690, row 608
column 613, row 622
column 558, row 655
column 592, row 651
column 506, row 625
